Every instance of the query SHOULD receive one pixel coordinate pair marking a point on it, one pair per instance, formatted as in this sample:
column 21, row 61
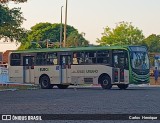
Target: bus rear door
column 28, row 69
column 65, row 69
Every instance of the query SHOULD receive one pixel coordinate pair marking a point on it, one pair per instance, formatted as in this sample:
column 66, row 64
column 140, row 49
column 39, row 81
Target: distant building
column 4, row 58
column 1, row 56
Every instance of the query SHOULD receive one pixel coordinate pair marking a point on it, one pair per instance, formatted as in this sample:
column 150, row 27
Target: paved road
column 141, row 100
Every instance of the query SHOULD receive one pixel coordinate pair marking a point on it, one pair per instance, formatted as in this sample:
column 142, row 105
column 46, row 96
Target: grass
column 18, row 87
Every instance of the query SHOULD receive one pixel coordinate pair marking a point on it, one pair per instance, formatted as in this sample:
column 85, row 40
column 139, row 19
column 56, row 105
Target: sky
column 92, row 16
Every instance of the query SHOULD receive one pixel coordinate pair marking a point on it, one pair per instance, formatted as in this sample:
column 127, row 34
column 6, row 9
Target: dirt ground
column 152, row 81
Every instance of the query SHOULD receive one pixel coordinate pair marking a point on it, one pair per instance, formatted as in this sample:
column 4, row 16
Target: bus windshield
column 140, row 60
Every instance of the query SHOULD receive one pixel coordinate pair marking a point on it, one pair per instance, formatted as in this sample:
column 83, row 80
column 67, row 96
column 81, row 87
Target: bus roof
column 70, row 49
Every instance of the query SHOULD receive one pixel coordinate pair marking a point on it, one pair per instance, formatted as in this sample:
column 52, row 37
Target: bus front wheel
column 106, row 82
column 123, row 86
column 45, row 82
column 62, row 86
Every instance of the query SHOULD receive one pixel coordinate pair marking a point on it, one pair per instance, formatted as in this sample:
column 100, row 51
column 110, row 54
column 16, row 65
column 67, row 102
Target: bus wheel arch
column 44, row 82
column 105, row 81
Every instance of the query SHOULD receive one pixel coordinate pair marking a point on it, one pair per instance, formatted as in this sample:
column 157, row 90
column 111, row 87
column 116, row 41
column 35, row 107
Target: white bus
column 61, row 67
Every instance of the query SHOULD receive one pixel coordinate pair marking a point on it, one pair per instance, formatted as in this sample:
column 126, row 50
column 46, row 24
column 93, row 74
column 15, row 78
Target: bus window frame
column 126, row 56
column 19, row 59
column 50, row 61
column 95, row 52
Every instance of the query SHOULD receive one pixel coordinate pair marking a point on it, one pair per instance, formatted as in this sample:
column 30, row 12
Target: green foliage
column 47, row 31
column 16, row 1
column 75, row 39
column 10, row 23
column 123, row 34
column 153, row 43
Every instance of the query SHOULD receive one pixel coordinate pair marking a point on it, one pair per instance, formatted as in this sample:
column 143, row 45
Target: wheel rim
column 105, row 82
column 44, row 82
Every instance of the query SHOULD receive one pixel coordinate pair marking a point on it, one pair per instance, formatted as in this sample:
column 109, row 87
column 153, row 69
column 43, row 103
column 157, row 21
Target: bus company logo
column 91, row 71
column 44, row 69
column 87, row 71
column 6, row 117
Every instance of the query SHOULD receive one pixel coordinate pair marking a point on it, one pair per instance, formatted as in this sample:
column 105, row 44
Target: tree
column 152, row 42
column 51, row 32
column 123, row 34
column 10, row 23
column 75, row 39
column 16, row 1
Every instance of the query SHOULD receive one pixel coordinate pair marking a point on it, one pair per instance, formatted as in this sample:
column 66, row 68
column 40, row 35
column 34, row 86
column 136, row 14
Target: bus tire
column 123, row 86
column 62, row 86
column 45, row 82
column 105, row 82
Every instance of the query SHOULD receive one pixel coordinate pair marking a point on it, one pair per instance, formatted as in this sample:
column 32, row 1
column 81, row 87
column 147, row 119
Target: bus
column 61, row 67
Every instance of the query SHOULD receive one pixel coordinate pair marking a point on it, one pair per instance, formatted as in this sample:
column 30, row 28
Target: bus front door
column 65, row 69
column 28, row 69
column 120, row 67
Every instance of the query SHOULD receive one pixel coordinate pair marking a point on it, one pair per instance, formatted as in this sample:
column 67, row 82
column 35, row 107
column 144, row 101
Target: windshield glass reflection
column 140, row 60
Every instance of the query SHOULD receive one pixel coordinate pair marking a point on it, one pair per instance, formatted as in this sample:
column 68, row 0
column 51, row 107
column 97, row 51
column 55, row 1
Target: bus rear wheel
column 45, row 82
column 106, row 82
column 62, row 86
column 123, row 86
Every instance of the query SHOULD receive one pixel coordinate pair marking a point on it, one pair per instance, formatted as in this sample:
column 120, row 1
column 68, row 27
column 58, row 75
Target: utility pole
column 61, row 29
column 65, row 26
column 46, row 43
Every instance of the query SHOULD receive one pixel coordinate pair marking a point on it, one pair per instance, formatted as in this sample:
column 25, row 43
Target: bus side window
column 75, row 60
column 69, row 60
column 120, row 59
column 103, row 57
column 78, row 58
column 63, row 60
column 27, row 62
column 41, row 59
column 126, row 61
column 81, row 58
column 115, row 60
column 52, row 59
column 87, row 59
column 15, row 59
column 90, row 57
column 55, row 61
